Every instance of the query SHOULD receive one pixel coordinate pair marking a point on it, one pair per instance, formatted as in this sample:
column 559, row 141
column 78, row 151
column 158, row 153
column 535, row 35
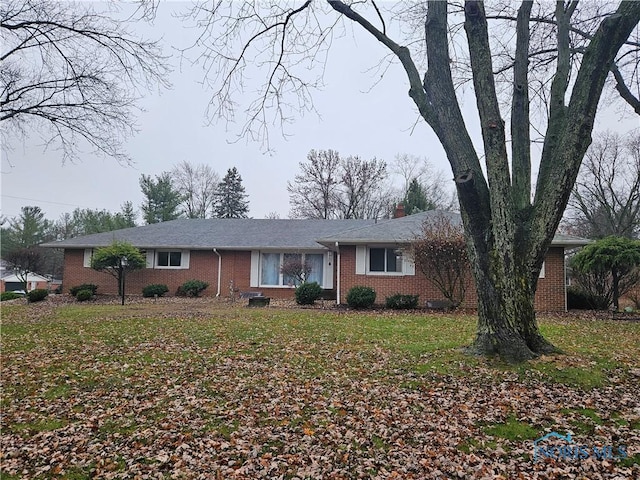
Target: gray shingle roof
column 395, row 230
column 232, row 233
column 253, row 234
column 405, row 229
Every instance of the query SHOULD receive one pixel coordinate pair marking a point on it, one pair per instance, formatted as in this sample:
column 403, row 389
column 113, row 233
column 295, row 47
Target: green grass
column 138, row 376
column 513, row 430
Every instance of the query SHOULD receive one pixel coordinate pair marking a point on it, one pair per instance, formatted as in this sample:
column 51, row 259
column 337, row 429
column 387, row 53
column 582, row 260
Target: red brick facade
column 203, row 265
column 550, row 295
column 236, row 267
column 30, row 285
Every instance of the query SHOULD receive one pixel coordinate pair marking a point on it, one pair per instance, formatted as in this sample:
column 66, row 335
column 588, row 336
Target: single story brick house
column 10, row 282
column 246, row 255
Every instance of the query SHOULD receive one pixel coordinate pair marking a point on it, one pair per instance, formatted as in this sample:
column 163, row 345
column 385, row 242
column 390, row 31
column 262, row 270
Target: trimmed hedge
column 402, row 302
column 84, row 295
column 85, row 286
column 192, row 288
column 154, row 289
column 361, row 297
column 37, row 295
column 5, row 296
column 308, row 293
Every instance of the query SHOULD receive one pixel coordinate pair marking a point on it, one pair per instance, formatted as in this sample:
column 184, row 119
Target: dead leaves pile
column 81, row 405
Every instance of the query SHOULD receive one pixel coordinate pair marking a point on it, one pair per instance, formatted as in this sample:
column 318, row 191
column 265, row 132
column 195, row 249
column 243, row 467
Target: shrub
column 308, row 293
column 193, row 288
column 37, row 295
column 579, row 299
column 154, row 289
column 402, row 302
column 85, row 286
column 361, row 297
column 5, row 296
column 84, row 295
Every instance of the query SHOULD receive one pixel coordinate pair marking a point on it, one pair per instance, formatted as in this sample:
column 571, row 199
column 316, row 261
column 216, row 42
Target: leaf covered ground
column 199, row 389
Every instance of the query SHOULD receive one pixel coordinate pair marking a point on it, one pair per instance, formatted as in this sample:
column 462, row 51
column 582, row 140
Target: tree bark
column 507, row 235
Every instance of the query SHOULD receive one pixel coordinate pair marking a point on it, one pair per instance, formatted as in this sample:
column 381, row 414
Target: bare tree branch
column 70, row 73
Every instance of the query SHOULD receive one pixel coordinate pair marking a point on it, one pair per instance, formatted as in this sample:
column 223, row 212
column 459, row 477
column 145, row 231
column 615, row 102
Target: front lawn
column 203, row 389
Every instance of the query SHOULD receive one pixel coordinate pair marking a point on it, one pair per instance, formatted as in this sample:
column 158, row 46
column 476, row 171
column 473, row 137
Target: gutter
column 337, row 274
column 219, row 271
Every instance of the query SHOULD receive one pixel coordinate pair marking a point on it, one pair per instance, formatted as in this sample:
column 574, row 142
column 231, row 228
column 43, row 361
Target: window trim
column 362, row 261
column 87, row 256
column 282, row 253
column 184, row 259
column 384, row 273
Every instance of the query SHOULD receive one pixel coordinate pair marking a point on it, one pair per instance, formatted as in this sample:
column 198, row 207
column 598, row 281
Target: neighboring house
column 10, row 282
column 246, row 254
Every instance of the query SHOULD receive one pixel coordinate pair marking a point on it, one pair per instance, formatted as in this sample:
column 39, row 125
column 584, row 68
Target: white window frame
column 256, row 268
column 543, row 271
column 385, row 271
column 88, row 255
column 184, row 259
column 363, row 262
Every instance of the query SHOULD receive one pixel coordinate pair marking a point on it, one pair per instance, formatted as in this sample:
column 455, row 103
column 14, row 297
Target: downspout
column 338, row 274
column 219, row 271
column 564, row 279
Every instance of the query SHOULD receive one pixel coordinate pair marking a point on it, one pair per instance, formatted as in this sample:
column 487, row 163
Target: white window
column 271, row 263
column 381, row 260
column 171, row 259
column 88, row 255
column 385, row 260
column 542, row 271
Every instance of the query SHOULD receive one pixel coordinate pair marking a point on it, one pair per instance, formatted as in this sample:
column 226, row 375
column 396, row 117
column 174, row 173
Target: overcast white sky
column 355, row 121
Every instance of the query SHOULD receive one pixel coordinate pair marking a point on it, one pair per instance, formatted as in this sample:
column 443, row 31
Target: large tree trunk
column 507, row 323
column 508, row 234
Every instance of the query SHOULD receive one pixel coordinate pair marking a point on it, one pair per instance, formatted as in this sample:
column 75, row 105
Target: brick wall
column 39, row 285
column 551, row 292
column 387, row 285
column 236, row 266
column 550, row 295
column 203, row 265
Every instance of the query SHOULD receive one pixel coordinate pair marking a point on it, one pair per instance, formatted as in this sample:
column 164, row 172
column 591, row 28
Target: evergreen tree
column 127, row 216
column 162, row 198
column 85, row 221
column 231, row 201
column 415, row 200
column 27, row 230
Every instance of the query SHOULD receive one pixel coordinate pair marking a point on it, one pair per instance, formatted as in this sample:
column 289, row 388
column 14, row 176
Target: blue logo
column 571, row 451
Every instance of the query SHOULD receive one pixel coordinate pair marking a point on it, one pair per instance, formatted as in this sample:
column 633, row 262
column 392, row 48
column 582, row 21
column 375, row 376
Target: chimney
column 399, row 211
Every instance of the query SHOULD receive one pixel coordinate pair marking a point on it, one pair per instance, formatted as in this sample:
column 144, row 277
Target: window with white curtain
column 271, row 263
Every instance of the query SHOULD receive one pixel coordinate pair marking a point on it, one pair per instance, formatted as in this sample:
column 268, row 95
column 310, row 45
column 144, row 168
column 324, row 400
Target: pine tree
column 231, row 201
column 26, row 230
column 162, row 199
column 416, row 200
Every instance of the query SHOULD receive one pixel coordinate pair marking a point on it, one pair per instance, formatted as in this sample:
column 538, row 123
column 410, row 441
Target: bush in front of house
column 154, row 289
column 85, row 286
column 401, row 302
column 84, row 295
column 361, row 297
column 308, row 293
column 192, row 288
column 579, row 299
column 6, row 296
column 37, row 295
